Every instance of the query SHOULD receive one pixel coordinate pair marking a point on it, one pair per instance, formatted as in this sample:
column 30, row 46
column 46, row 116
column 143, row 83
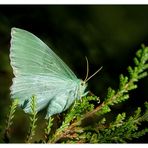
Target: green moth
column 39, row 71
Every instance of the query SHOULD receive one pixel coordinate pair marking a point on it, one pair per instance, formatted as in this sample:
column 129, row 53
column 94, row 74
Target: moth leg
column 90, row 93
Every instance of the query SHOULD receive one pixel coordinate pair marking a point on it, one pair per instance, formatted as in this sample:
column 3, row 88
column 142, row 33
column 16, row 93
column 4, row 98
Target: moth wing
column 29, row 55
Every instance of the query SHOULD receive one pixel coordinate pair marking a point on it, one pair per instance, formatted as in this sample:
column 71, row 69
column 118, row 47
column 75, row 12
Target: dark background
column 108, row 35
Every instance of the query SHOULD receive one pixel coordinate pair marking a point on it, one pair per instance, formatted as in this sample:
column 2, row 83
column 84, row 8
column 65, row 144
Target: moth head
column 82, row 87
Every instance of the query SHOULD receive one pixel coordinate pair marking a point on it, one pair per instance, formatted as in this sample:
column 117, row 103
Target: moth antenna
column 87, row 69
column 93, row 74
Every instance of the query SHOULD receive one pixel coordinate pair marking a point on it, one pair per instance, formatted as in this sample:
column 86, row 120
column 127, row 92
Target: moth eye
column 82, row 84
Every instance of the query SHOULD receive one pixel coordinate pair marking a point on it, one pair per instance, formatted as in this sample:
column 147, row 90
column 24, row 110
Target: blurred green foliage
column 108, row 35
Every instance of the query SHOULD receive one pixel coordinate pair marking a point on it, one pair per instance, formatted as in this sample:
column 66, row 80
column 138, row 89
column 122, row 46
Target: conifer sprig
column 33, row 119
column 126, row 83
column 9, row 121
column 48, row 129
